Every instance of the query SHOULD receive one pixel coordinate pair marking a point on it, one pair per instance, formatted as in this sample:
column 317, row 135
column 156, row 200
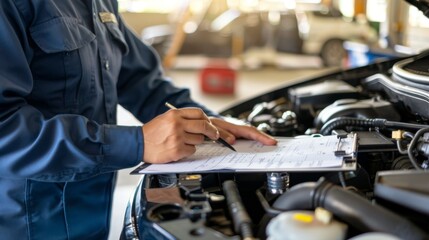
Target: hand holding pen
column 173, row 135
column 219, row 140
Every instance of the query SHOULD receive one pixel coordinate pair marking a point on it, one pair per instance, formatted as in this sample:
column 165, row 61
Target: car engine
column 386, row 197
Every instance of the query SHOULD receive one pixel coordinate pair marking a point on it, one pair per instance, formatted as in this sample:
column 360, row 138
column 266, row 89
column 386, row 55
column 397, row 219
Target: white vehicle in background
column 324, row 31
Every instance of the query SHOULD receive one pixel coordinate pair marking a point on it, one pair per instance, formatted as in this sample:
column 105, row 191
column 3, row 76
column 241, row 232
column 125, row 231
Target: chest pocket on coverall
column 62, row 68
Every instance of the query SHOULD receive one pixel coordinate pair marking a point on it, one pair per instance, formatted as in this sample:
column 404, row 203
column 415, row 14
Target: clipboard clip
column 341, row 134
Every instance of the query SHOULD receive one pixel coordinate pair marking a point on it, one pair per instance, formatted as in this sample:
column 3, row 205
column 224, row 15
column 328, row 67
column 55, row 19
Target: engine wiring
column 413, row 146
column 416, row 142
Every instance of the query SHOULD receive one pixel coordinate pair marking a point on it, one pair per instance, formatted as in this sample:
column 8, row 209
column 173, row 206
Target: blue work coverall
column 64, row 67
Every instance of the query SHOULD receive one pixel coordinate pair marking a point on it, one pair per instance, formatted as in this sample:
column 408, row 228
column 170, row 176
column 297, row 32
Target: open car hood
column 422, row 5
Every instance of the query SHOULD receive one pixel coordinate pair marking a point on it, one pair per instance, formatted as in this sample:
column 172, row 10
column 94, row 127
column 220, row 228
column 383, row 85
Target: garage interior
column 264, row 45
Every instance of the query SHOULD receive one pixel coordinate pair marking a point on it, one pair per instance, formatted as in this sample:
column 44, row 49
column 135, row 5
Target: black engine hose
column 349, row 207
column 340, row 122
column 240, row 217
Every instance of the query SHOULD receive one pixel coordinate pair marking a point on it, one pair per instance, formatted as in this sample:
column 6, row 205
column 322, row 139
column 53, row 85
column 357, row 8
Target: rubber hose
column 349, row 207
column 296, row 198
column 240, row 218
column 413, row 145
column 341, row 122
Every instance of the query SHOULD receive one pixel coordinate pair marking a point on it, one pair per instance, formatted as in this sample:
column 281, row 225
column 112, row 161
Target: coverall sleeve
column 61, row 148
column 142, row 87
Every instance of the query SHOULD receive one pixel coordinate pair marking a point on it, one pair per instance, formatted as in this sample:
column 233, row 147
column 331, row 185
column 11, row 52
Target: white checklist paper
column 290, row 154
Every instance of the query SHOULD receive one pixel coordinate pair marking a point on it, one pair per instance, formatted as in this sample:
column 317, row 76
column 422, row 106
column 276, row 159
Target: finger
column 192, row 113
column 227, row 136
column 201, row 127
column 194, row 139
column 247, row 132
column 254, row 134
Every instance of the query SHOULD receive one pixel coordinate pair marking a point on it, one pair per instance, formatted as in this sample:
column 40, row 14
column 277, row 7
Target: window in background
column 158, row 6
column 347, row 8
column 417, row 19
column 376, row 10
column 417, row 32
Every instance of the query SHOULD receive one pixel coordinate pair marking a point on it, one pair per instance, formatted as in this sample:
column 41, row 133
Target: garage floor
column 249, row 83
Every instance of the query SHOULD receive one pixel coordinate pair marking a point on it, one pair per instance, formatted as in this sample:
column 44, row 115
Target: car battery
column 218, row 78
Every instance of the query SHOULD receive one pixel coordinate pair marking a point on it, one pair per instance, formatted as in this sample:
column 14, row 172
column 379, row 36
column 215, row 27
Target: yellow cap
column 302, row 217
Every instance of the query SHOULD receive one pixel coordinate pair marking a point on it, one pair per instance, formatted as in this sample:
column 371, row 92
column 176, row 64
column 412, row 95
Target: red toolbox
column 218, row 78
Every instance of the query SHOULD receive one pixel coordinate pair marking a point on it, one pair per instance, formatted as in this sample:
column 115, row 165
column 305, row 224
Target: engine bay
column 386, row 197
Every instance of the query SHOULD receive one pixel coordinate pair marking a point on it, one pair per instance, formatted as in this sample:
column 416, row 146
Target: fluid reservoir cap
column 299, row 225
column 301, row 217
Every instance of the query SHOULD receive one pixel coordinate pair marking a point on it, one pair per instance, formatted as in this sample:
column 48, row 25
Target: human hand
column 173, row 135
column 230, row 132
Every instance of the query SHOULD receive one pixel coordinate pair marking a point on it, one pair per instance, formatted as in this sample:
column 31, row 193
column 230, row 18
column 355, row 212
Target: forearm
column 65, row 147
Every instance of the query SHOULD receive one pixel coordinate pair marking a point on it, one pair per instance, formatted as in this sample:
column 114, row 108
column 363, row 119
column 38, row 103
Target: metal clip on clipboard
column 347, row 156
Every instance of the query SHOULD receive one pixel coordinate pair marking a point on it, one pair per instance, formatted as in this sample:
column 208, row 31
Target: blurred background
column 227, row 51
column 258, row 33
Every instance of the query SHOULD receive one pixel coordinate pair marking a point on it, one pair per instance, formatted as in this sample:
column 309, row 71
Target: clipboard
column 299, row 154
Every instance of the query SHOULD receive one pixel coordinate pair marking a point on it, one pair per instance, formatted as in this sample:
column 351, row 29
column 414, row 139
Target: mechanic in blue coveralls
column 65, row 65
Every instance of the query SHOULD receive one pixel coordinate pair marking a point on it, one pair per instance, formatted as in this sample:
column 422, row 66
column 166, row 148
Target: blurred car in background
column 325, row 30
column 215, row 37
column 236, row 33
